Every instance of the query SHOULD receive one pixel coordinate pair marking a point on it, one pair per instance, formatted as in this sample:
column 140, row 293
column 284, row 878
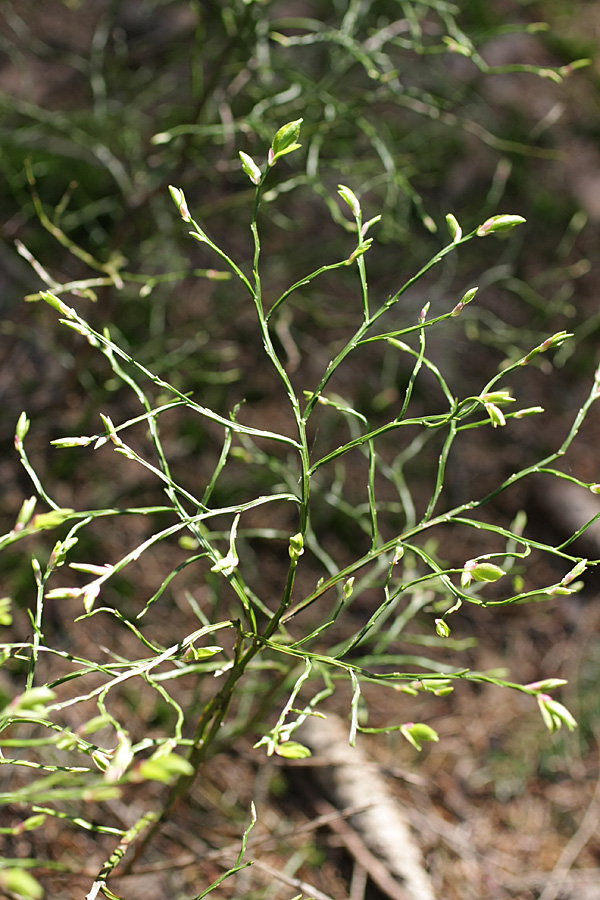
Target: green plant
column 268, row 634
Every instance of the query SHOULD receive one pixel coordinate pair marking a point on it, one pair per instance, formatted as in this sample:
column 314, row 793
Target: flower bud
column 499, row 224
column 359, row 251
column 180, row 202
column 530, row 411
column 250, row 167
column 554, row 341
column 554, row 714
column 473, row 570
column 575, row 572
column 226, row 565
column 296, row 546
column 496, row 415
column 25, row 514
column 417, row 732
column 348, row 588
column 22, row 428
column 6, row 618
column 453, row 228
column 350, row 198
column 498, row 397
column 72, row 442
column 441, row 628
column 463, row 302
column 547, row 684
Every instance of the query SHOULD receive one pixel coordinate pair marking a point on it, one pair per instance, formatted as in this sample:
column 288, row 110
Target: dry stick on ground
column 385, row 834
column 296, row 883
column 358, row 885
column 364, row 859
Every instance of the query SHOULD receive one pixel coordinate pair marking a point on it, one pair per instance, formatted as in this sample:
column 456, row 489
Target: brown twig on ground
column 354, row 844
column 386, row 846
column 295, row 883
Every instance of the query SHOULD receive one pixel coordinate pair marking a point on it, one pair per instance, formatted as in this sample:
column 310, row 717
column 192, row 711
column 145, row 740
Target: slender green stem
column 361, row 332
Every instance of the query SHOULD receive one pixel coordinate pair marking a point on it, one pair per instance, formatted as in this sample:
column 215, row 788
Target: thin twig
column 296, row 883
column 354, row 844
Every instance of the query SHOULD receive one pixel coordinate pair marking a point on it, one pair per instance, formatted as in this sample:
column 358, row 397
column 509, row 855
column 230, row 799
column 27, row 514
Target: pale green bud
column 463, row 301
column 350, row 198
column 498, row 224
column 496, row 415
column 180, row 202
column 250, row 167
column 442, row 628
column 22, row 428
column 554, row 714
column 416, row 733
column 453, row 228
column 296, row 546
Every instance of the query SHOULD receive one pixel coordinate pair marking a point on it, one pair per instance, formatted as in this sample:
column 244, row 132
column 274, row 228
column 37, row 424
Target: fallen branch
column 380, row 838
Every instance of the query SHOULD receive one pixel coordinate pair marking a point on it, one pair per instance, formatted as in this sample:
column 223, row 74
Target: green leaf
column 51, row 519
column 292, row 750
column 21, row 883
column 31, row 703
column 198, row 653
column 34, row 822
column 285, row 141
column 57, row 304
column 164, row 768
